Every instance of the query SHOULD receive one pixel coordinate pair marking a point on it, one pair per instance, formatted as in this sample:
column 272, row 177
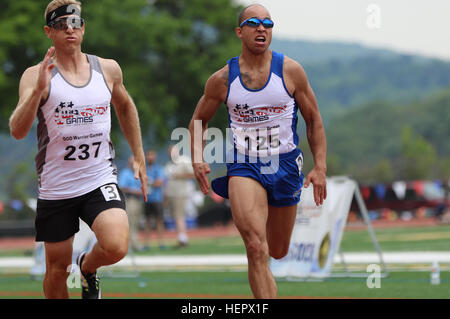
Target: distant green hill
column 373, row 132
column 345, row 76
column 311, row 52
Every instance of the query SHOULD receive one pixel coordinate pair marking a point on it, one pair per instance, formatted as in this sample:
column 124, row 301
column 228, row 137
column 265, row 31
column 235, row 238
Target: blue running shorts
column 281, row 176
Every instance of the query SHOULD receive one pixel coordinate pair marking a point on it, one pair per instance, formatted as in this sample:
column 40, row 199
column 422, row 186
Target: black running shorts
column 153, row 209
column 57, row 220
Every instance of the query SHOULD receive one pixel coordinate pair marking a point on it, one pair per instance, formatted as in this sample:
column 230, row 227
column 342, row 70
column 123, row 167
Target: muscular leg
column 279, row 228
column 179, row 207
column 160, row 230
column 248, row 201
column 112, row 232
column 148, row 229
column 58, row 257
column 134, row 209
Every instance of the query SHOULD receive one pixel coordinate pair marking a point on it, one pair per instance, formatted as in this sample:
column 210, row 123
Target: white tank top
column 263, row 121
column 75, row 153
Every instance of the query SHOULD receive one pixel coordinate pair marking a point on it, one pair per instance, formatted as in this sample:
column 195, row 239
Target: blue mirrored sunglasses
column 255, row 22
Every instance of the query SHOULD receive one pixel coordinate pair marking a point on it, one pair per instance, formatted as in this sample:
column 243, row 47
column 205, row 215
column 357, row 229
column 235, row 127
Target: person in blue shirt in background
column 154, row 205
column 131, row 187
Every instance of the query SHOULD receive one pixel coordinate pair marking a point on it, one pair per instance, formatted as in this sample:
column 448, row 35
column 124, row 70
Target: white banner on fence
column 317, row 232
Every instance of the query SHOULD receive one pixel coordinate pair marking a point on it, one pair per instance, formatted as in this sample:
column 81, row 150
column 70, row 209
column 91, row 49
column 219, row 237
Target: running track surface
column 160, row 296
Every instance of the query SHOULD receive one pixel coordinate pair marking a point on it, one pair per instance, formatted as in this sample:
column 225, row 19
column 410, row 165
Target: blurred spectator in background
column 442, row 210
column 131, row 187
column 154, row 205
column 195, row 200
column 179, row 172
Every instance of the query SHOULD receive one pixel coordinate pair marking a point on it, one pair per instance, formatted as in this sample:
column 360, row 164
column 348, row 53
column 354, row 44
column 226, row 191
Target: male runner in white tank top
column 70, row 92
column 263, row 91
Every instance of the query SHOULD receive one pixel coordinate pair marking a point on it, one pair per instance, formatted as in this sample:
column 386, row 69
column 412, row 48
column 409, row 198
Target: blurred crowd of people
column 406, row 200
column 171, row 191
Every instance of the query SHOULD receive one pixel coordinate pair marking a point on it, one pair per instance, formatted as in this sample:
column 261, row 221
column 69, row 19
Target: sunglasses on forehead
column 63, row 23
column 255, row 22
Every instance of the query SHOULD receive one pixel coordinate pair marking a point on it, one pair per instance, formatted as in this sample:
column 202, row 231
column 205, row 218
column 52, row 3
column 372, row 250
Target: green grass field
column 224, row 283
column 435, row 238
column 234, row 285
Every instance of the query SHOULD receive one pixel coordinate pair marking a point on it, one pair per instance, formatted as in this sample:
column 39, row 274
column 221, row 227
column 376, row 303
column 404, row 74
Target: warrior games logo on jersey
column 260, row 114
column 67, row 114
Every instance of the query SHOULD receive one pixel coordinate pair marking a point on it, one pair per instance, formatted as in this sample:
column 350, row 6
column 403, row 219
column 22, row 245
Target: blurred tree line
column 384, row 142
column 167, row 49
column 352, row 83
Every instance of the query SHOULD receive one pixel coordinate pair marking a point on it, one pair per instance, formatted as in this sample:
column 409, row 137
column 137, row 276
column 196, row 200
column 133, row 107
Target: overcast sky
column 409, row 26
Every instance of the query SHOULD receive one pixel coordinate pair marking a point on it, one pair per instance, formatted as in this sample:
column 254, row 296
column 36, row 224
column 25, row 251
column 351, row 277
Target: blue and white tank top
column 75, row 153
column 263, row 122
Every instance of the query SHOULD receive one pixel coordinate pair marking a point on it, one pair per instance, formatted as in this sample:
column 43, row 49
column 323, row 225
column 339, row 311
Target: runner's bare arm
column 33, row 87
column 128, row 118
column 214, row 94
column 315, row 131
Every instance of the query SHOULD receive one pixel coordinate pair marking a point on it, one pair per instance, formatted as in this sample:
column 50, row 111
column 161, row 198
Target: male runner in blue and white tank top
column 71, row 93
column 263, row 91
